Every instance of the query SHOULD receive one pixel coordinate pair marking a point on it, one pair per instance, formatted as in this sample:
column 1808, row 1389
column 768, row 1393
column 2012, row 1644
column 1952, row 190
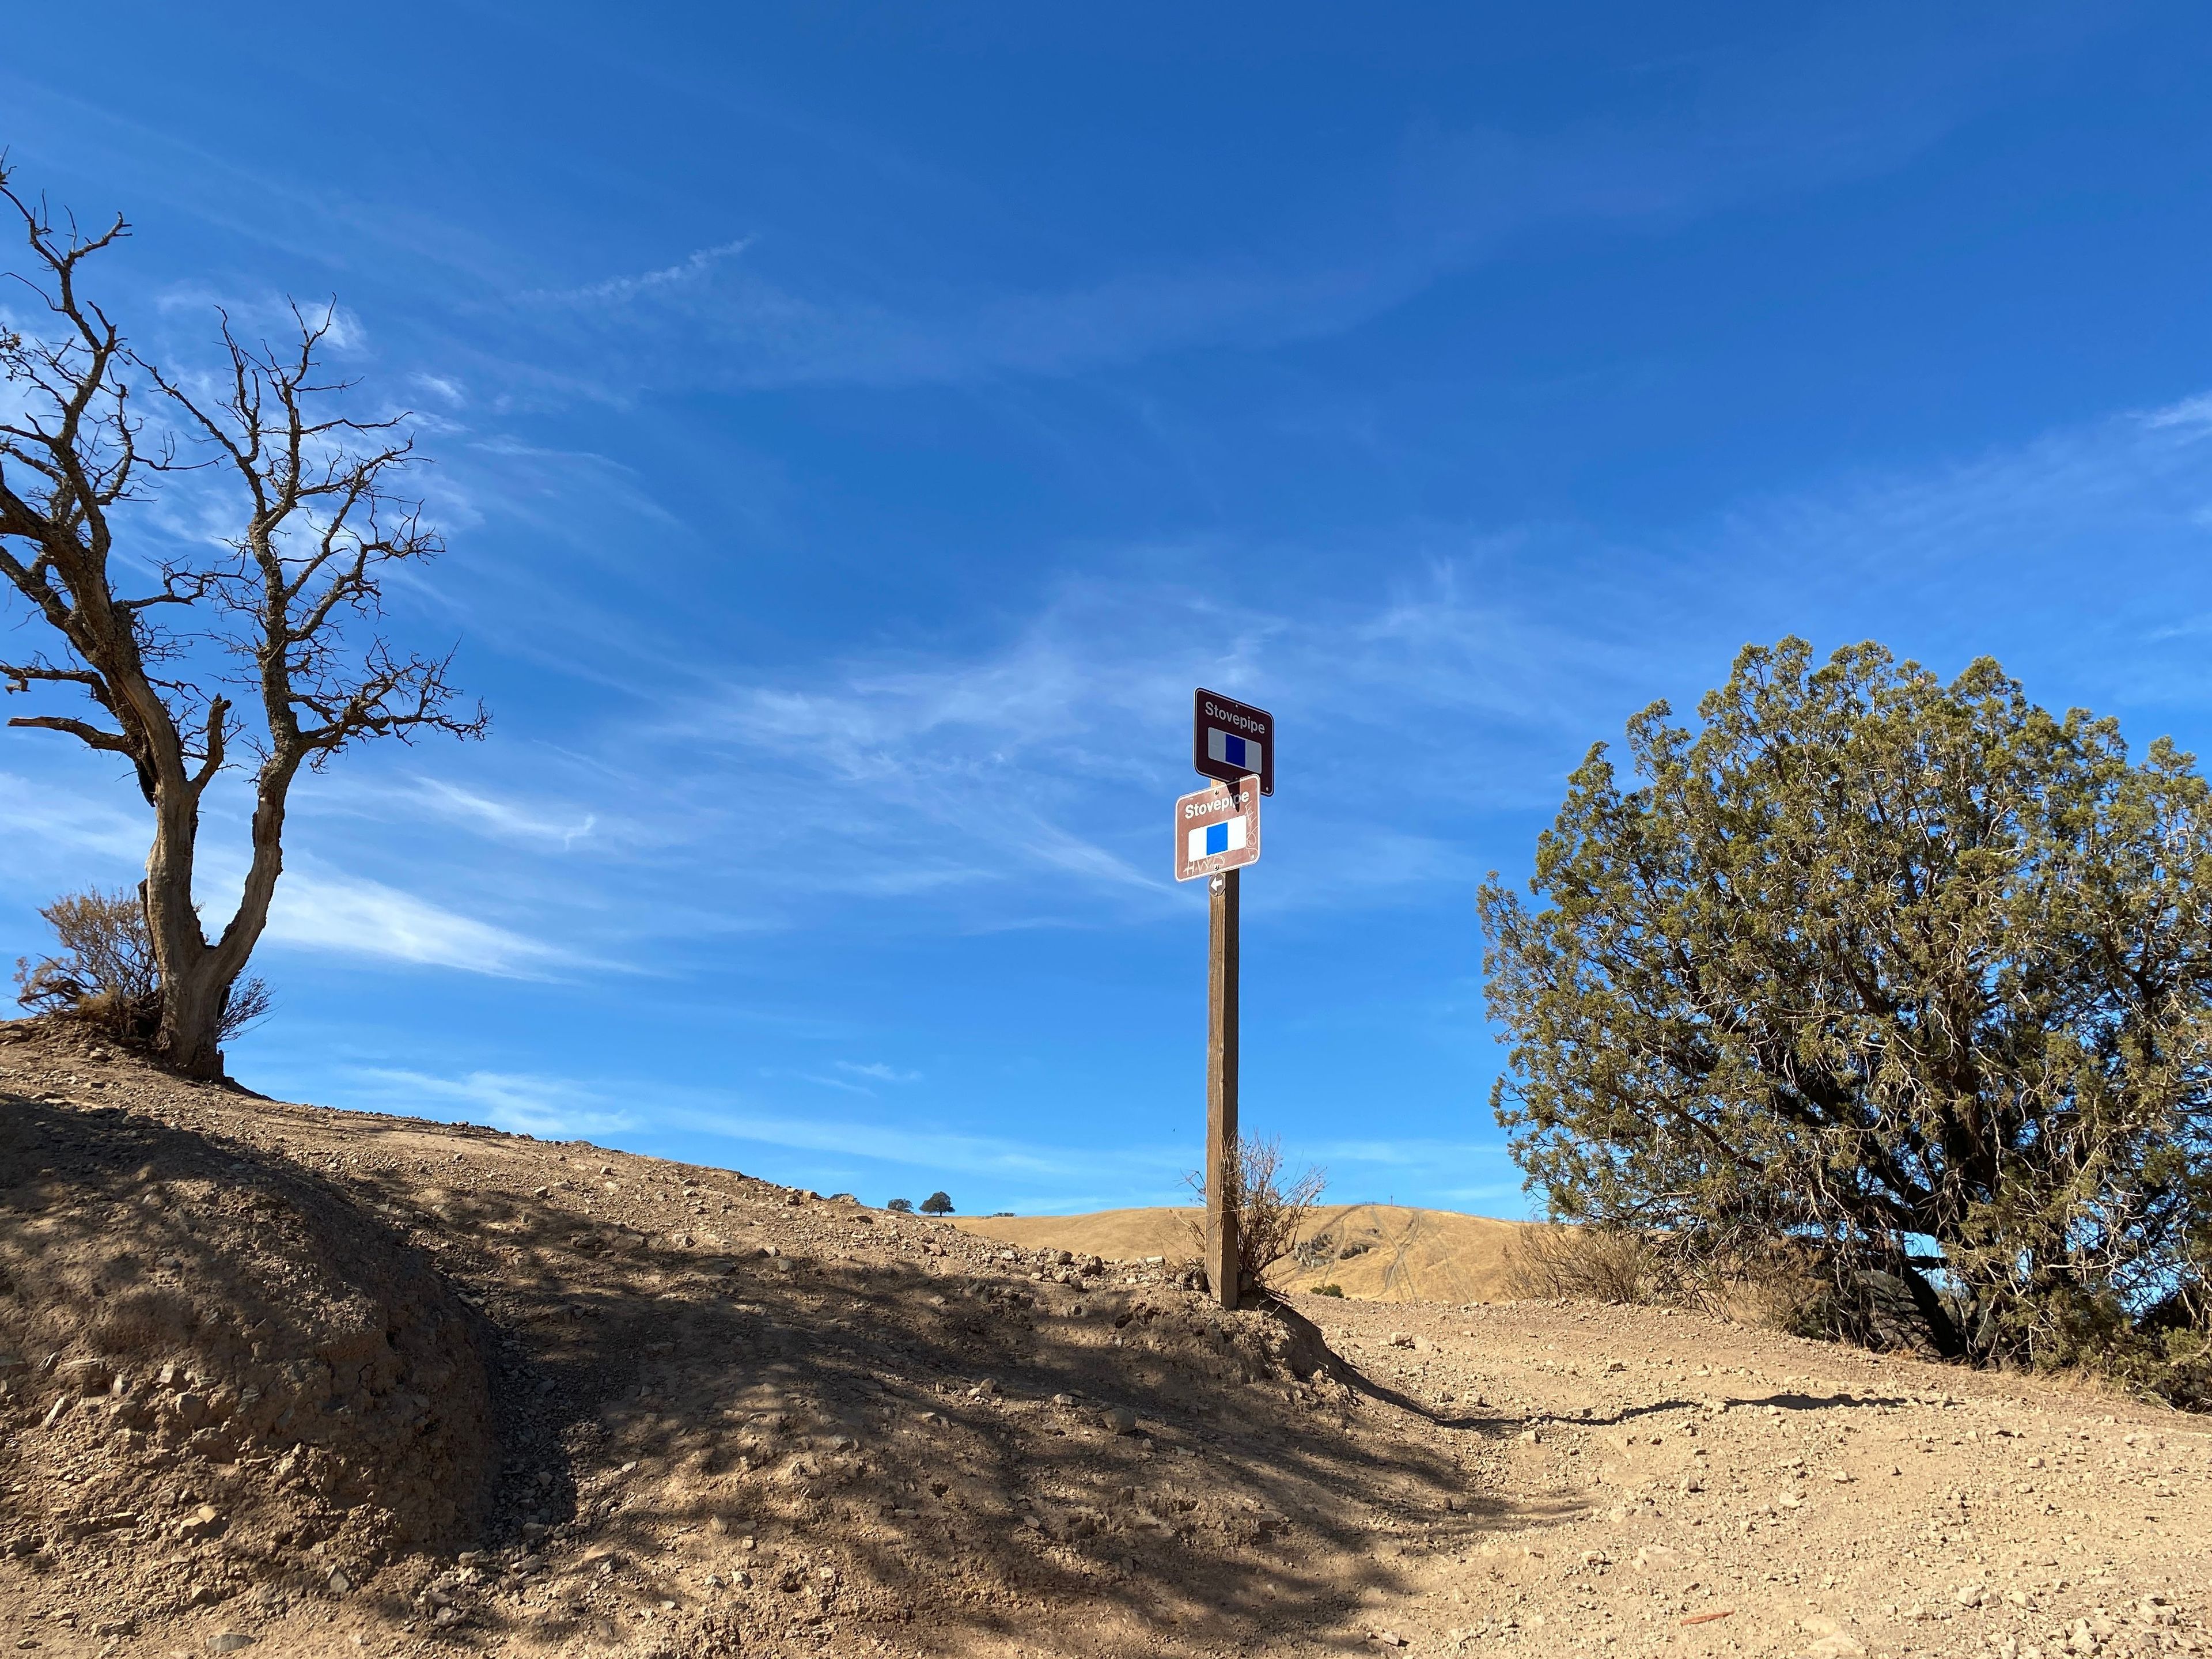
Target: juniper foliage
column 1916, row 976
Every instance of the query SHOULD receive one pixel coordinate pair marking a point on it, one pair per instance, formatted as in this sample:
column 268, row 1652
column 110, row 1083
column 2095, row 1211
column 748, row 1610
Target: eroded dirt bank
column 308, row 1382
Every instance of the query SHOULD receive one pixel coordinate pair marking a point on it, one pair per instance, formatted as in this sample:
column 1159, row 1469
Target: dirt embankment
column 1379, row 1252
column 313, row 1382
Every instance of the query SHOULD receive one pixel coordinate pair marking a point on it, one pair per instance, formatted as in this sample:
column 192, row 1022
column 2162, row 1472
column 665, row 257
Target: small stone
column 338, row 1582
column 1400, row 1339
column 1388, row 1639
column 228, row 1641
column 1063, row 1400
column 203, row 1522
column 1967, row 1596
column 191, row 1409
column 1120, row 1419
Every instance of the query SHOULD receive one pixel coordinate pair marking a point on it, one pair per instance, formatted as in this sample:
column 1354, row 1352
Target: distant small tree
column 937, row 1204
column 901, row 1206
column 1914, row 977
column 253, row 632
column 105, row 975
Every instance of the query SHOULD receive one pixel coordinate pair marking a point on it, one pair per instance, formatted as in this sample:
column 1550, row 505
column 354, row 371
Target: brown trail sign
column 1230, row 739
column 1217, row 829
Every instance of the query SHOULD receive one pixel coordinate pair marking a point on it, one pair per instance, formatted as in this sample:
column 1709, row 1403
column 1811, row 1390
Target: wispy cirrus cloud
column 353, row 916
column 878, row 1072
column 693, row 268
column 503, row 818
column 1711, row 133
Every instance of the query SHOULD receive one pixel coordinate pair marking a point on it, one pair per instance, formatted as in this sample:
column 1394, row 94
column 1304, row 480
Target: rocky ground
column 305, row 1381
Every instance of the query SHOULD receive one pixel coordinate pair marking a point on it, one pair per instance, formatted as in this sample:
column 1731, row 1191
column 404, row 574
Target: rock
column 87, row 1376
column 191, row 1409
column 1387, row 1638
column 337, row 1583
column 228, row 1641
column 1968, row 1596
column 1063, row 1400
column 203, row 1522
column 1400, row 1339
column 1120, row 1419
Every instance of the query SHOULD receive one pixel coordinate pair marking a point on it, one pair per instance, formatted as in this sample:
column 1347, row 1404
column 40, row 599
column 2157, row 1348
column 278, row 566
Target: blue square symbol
column 1232, row 751
column 1217, row 836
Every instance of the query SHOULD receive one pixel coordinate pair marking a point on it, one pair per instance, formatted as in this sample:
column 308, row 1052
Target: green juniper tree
column 1917, row 975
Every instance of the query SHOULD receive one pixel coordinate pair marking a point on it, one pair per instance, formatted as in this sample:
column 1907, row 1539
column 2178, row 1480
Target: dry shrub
column 1272, row 1208
column 104, row 975
column 1553, row 1263
column 1775, row 1289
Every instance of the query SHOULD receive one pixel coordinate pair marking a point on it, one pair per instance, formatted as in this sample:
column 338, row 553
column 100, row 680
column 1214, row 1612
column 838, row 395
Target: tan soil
column 1379, row 1252
column 584, row 1403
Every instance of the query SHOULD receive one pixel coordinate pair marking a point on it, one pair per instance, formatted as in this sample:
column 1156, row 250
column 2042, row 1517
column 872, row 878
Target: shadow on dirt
column 895, row 1440
column 869, row 1442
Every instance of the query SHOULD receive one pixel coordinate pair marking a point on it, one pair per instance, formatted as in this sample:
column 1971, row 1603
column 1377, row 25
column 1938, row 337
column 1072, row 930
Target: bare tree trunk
column 187, row 1036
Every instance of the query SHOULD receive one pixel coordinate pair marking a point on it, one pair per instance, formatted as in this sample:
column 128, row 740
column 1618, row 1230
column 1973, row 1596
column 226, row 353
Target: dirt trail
column 682, row 1412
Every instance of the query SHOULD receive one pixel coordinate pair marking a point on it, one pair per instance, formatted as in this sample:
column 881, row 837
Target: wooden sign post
column 1217, row 834
column 1223, row 1193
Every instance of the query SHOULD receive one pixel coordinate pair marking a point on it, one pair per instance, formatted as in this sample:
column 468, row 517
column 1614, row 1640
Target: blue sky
column 858, row 429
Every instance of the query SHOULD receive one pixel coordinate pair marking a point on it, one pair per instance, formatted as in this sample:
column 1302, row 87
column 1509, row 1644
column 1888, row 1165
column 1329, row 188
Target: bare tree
column 246, row 645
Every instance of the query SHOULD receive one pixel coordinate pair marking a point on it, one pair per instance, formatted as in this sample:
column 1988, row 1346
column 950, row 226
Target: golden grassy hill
column 1397, row 1253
